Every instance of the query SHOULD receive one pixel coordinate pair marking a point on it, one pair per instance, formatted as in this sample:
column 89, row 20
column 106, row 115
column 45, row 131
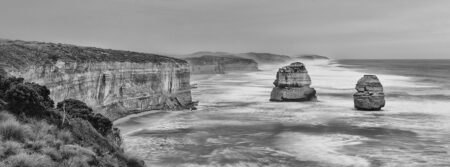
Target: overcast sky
column 334, row 28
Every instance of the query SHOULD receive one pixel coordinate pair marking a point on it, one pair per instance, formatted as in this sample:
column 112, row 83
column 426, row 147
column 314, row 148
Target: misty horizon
column 347, row 29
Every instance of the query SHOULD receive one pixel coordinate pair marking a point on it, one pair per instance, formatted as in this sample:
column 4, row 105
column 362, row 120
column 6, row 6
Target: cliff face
column 116, row 83
column 220, row 64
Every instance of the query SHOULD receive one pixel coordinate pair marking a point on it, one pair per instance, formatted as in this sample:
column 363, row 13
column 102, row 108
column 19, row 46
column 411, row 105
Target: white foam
column 323, row 148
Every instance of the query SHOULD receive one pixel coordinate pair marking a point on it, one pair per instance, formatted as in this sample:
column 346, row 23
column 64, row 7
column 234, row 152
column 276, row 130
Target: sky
column 341, row 29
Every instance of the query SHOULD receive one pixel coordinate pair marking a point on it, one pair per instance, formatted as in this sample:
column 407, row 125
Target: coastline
column 131, row 116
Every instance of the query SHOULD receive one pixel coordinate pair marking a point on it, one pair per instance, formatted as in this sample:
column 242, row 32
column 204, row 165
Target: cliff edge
column 115, row 83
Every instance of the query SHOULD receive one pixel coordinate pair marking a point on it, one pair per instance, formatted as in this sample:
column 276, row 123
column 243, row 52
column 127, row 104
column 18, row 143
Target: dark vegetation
column 35, row 134
column 18, row 54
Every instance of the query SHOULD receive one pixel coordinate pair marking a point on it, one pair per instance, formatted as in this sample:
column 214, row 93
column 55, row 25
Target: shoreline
column 128, row 117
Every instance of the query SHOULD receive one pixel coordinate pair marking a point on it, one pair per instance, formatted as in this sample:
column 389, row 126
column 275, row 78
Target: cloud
column 339, row 28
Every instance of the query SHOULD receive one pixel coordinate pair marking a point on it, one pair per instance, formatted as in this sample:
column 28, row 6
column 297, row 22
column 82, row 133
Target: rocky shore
column 293, row 84
column 369, row 95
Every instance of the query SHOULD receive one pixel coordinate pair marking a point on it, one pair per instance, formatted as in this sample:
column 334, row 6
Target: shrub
column 53, row 116
column 23, row 98
column 54, row 154
column 102, row 124
column 79, row 109
column 75, row 108
column 5, row 116
column 36, row 145
column 13, row 130
column 9, row 148
column 29, row 160
column 43, row 131
column 65, row 136
column 44, row 93
column 75, row 155
column 6, row 83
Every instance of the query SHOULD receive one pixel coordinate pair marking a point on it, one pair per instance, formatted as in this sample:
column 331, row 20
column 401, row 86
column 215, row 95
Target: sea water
column 237, row 125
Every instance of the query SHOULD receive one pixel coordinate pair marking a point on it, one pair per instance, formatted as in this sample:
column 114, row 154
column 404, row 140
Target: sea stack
column 292, row 84
column 369, row 95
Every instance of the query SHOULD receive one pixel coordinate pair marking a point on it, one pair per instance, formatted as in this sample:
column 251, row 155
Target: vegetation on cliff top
column 20, row 54
column 219, row 59
column 261, row 58
column 35, row 134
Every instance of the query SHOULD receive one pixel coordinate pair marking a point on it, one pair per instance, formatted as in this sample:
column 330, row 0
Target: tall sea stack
column 369, row 95
column 292, row 84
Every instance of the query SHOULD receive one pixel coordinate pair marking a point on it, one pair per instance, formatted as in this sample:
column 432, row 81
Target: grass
column 11, row 129
column 38, row 143
column 21, row 54
column 28, row 160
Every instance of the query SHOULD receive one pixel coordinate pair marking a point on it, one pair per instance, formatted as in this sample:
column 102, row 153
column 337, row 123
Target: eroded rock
column 369, row 95
column 293, row 84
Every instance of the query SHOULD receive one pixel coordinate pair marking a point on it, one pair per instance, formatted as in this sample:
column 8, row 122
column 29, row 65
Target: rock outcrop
column 369, row 95
column 115, row 83
column 209, row 64
column 293, row 84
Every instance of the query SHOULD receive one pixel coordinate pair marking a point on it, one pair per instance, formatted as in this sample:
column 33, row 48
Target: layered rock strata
column 369, row 95
column 115, row 83
column 220, row 64
column 293, row 84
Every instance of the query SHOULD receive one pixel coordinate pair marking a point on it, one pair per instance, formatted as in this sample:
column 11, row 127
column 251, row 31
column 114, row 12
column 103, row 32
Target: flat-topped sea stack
column 293, row 84
column 369, row 95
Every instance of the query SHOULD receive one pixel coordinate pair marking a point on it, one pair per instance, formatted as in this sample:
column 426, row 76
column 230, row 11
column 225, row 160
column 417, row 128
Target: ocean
column 236, row 125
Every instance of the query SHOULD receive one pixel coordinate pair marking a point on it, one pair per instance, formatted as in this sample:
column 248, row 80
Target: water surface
column 236, row 125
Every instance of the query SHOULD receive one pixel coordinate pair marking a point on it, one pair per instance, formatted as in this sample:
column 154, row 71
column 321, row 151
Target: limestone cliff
column 115, row 83
column 220, row 64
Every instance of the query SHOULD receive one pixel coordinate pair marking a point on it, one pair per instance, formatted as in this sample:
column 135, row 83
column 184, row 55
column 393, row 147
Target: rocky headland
column 114, row 83
column 369, row 95
column 265, row 58
column 311, row 57
column 209, row 64
column 293, row 84
column 205, row 62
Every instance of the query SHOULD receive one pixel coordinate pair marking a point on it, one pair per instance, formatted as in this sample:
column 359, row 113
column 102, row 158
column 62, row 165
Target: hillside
column 33, row 133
